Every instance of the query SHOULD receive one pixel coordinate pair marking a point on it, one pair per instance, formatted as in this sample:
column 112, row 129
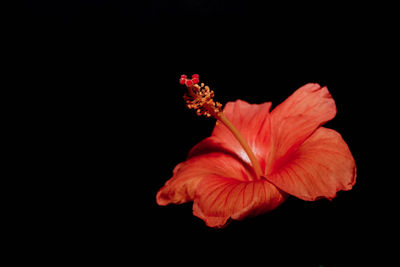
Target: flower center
column 200, row 98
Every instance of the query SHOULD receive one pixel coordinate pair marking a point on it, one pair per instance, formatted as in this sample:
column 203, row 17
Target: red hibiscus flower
column 255, row 158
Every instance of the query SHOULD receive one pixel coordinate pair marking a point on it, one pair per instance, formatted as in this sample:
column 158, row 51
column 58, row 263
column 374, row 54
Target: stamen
column 200, row 98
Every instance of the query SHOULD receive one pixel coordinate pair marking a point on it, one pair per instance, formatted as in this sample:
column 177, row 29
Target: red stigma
column 189, row 82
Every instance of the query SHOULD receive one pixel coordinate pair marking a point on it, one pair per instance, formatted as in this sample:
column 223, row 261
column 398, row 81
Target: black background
column 109, row 112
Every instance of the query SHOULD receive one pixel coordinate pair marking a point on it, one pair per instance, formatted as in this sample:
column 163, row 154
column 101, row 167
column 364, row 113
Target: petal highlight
column 253, row 122
column 319, row 168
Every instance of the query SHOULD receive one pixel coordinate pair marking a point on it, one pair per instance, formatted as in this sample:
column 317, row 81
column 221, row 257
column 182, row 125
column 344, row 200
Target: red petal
column 297, row 118
column 253, row 122
column 320, row 167
column 220, row 198
column 187, row 175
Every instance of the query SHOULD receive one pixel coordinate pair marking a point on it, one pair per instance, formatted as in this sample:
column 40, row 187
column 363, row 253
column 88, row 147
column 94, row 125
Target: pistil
column 200, row 98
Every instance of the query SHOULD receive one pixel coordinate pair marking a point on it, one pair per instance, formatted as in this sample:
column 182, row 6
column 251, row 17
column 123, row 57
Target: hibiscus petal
column 187, row 175
column 220, row 198
column 253, row 122
column 320, row 167
column 298, row 117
